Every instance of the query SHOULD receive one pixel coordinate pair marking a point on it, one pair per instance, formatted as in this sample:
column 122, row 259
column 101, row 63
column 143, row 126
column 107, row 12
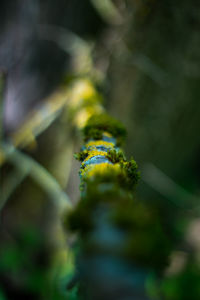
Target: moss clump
column 131, row 170
column 116, row 156
column 123, row 174
column 130, row 167
column 100, row 123
column 82, row 155
column 93, row 133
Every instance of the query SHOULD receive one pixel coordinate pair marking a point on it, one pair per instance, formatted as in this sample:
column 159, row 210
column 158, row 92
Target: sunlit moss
column 83, row 89
column 84, row 102
column 95, row 153
column 101, row 170
column 122, row 174
column 83, row 115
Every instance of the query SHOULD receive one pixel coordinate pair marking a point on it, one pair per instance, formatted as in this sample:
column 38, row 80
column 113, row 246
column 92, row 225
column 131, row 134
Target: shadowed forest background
column 144, row 58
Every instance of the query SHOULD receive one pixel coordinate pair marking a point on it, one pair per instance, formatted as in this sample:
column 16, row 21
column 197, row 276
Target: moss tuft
column 82, row 155
column 93, row 133
column 100, row 123
column 131, row 170
column 123, row 174
column 116, row 156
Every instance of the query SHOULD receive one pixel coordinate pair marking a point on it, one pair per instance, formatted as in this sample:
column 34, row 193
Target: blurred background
column 143, row 56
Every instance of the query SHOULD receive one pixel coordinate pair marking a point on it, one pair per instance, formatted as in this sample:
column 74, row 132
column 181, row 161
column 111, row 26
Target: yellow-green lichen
column 123, row 174
column 94, row 153
column 84, row 102
column 83, row 92
column 100, row 143
column 101, row 169
column 81, row 117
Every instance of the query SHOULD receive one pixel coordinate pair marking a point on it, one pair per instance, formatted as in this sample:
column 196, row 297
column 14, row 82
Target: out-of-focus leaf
column 159, row 181
column 108, row 11
column 41, row 119
column 1, row 104
column 2, row 297
column 11, row 258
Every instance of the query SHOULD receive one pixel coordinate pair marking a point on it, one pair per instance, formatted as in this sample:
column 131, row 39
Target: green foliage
column 19, row 263
column 2, row 297
column 184, row 285
column 73, row 294
column 131, row 170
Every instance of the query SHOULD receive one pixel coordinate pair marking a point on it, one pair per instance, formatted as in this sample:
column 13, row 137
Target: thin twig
column 2, row 83
column 25, row 163
column 163, row 184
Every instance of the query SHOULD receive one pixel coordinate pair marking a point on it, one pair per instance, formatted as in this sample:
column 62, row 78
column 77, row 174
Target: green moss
column 90, row 101
column 85, row 103
column 93, row 133
column 81, row 156
column 100, row 123
column 118, row 178
column 124, row 174
column 131, row 170
column 130, row 167
column 115, row 156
